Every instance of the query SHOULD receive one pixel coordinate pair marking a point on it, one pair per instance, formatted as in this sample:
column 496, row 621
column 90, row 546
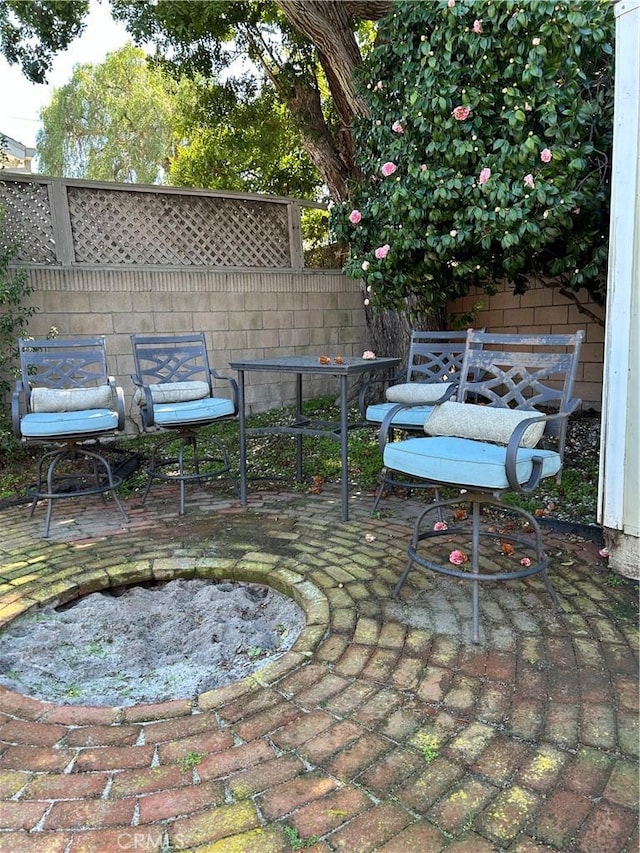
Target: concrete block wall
column 544, row 310
column 248, row 314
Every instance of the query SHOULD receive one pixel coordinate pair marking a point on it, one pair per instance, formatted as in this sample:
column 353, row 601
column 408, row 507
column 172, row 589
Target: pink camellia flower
column 545, row 155
column 441, row 525
column 477, row 26
column 423, row 168
column 368, row 354
column 451, row 3
column 378, row 122
column 354, row 217
column 458, row 558
column 529, row 182
column 382, row 251
column 461, row 113
column 396, row 127
column 485, row 174
column 388, row 168
column 526, row 562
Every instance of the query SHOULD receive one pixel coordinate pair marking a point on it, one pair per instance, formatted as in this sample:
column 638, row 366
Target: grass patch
column 271, row 461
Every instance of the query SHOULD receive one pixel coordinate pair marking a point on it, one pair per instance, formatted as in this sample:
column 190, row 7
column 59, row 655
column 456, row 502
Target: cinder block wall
column 544, row 310
column 248, row 314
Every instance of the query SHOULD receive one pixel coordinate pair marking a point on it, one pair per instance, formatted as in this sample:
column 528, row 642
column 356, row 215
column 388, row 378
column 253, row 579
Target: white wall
column 619, row 506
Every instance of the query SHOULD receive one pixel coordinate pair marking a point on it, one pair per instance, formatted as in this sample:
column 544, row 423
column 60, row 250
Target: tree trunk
column 328, row 24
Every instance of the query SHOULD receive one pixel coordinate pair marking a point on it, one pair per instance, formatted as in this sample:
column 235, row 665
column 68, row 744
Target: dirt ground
column 147, row 643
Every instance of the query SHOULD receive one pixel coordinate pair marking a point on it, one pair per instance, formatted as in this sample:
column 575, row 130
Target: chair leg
column 188, row 470
column 425, row 530
column 379, row 491
column 475, row 569
column 73, row 452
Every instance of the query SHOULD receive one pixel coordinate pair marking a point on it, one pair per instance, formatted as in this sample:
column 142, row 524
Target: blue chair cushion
column 192, row 412
column 64, row 424
column 465, row 462
column 412, row 418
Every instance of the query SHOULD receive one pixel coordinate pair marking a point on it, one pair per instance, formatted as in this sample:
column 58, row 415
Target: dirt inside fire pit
column 147, row 643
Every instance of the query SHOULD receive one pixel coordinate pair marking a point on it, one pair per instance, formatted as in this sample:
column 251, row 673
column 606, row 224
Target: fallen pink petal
column 441, row 525
column 458, row 558
column 604, row 552
column 368, row 354
column 526, row 562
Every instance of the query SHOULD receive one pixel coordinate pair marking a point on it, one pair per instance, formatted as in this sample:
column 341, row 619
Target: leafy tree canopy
column 23, row 23
column 245, row 142
column 113, row 121
column 305, row 49
column 486, row 152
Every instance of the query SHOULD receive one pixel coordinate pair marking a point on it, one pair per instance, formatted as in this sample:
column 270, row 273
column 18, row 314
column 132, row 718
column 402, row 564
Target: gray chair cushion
column 174, row 392
column 482, row 423
column 420, row 393
column 70, row 399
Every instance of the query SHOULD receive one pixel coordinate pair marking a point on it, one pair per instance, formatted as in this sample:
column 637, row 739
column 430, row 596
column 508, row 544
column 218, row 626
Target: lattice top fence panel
column 115, row 227
column 59, row 221
column 27, row 225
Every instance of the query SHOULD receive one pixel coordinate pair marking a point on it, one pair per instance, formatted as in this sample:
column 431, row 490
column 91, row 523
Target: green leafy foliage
column 237, row 138
column 22, row 24
column 497, row 119
column 113, row 121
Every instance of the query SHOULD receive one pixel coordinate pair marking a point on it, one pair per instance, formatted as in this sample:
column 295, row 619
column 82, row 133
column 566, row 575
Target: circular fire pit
column 148, row 643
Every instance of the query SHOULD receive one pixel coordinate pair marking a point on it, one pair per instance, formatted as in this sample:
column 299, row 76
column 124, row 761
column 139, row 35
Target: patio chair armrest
column 17, row 397
column 119, row 395
column 514, row 445
column 146, row 410
column 371, row 383
column 232, row 384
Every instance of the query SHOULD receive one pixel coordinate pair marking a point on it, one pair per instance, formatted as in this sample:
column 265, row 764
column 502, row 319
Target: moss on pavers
column 262, row 840
column 510, row 715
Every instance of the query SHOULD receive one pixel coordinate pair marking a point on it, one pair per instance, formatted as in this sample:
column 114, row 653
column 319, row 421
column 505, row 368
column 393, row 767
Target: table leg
column 344, row 446
column 242, row 439
column 298, row 418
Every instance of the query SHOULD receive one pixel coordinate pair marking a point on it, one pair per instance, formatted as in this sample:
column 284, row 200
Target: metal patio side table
column 306, row 365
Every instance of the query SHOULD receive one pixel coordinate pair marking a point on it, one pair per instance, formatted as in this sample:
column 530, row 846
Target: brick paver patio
column 384, row 729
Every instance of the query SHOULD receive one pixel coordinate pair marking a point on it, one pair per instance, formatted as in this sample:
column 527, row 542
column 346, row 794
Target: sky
column 21, row 101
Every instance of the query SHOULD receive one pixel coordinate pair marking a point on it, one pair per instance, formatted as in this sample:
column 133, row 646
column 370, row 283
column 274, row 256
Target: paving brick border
column 383, row 729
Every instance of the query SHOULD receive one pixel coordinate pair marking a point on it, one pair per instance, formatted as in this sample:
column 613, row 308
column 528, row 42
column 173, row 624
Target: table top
column 310, row 364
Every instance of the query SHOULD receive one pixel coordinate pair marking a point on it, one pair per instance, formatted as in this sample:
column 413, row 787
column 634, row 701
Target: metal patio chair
column 431, row 376
column 495, row 445
column 176, row 391
column 65, row 399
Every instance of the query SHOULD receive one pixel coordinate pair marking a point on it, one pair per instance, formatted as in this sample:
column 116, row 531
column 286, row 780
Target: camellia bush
column 487, row 151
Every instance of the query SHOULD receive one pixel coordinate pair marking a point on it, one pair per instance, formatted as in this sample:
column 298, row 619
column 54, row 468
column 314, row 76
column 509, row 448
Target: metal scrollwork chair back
column 178, row 391
column 65, row 398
